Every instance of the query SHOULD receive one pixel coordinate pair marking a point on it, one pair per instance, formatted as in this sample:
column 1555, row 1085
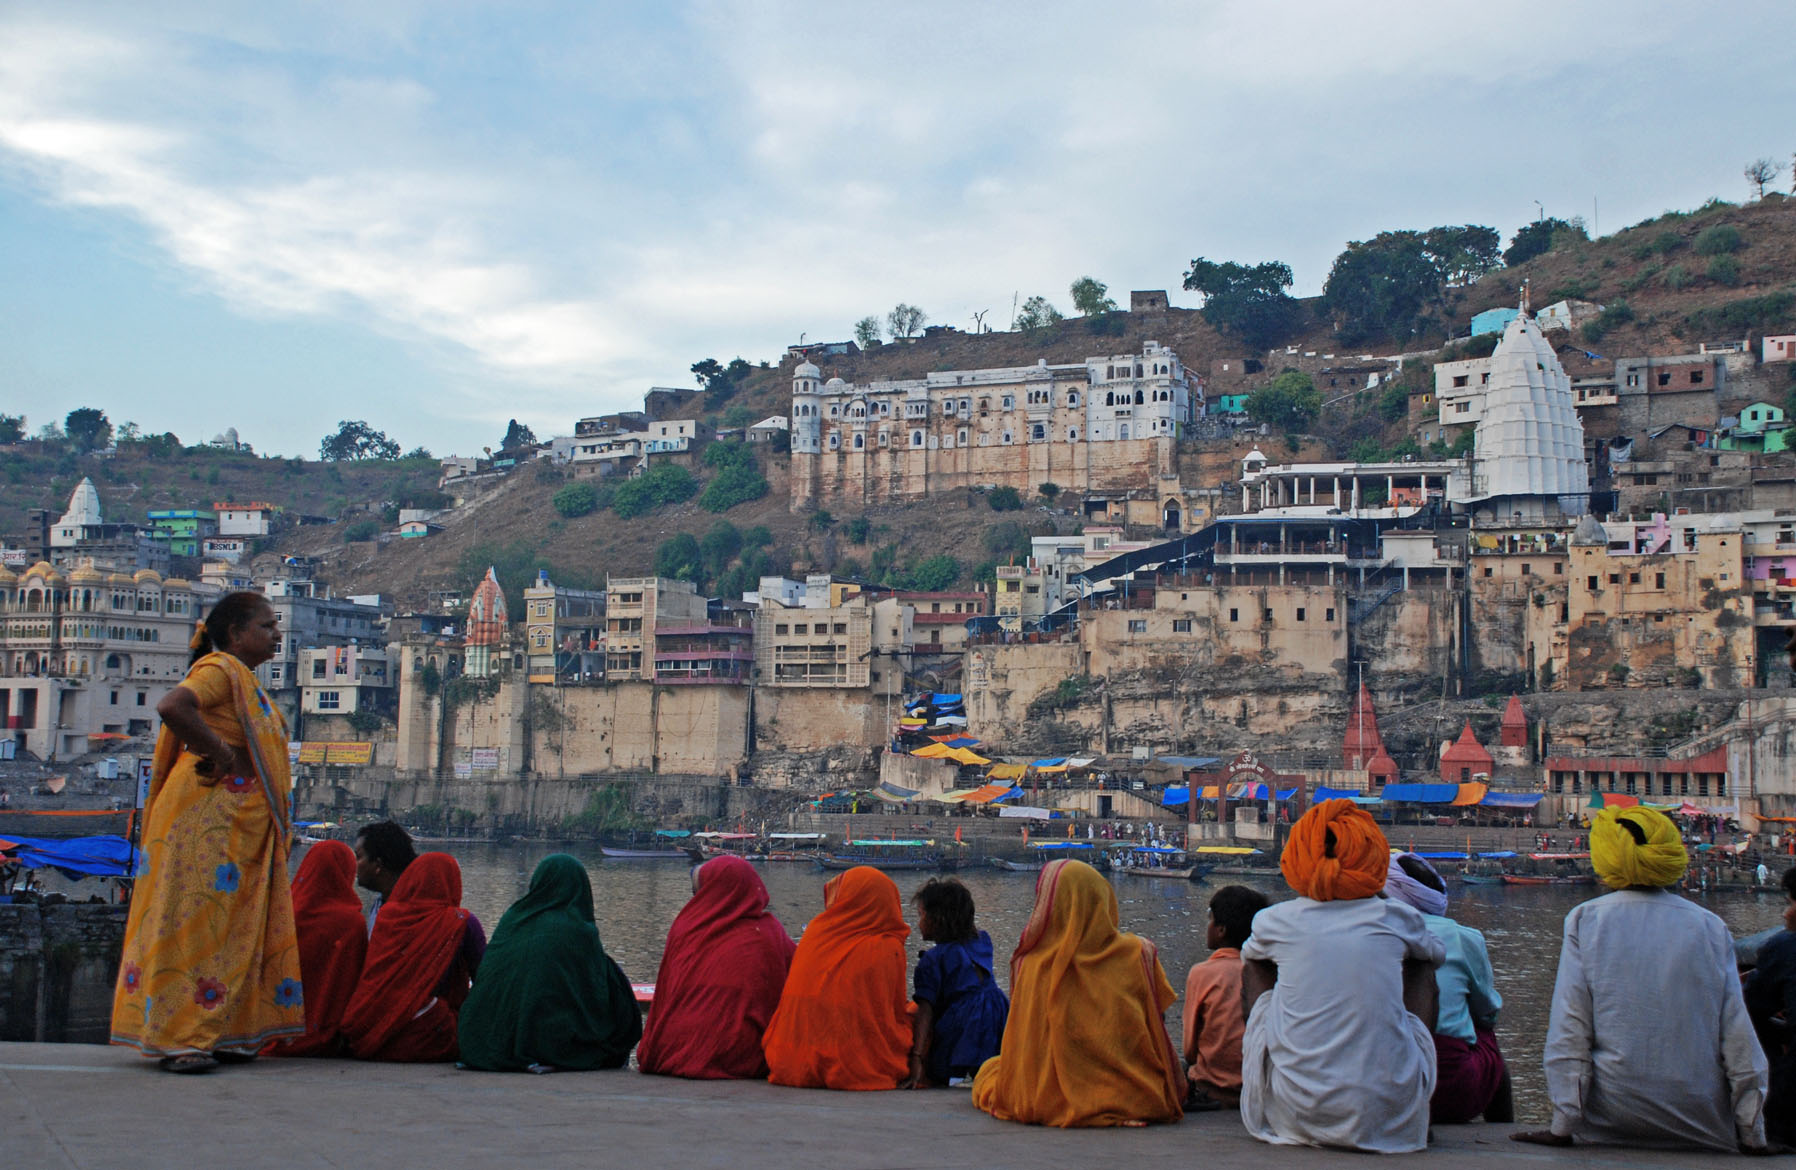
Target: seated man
column 383, row 850
column 1649, row 1042
column 1339, row 992
column 1771, row 1001
column 1471, row 1079
column 1213, row 1024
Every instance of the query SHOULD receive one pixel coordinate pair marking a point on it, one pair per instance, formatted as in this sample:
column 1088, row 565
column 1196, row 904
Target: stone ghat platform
column 68, row 1105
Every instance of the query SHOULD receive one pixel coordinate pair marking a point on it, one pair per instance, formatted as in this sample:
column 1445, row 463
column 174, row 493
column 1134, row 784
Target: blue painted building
column 1493, row 320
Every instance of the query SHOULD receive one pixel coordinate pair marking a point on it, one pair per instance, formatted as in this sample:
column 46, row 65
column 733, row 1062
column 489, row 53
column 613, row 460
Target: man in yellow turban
column 1649, row 1042
column 1339, row 985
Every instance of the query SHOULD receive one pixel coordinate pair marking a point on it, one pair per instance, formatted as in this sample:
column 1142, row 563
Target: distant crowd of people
column 1353, row 1015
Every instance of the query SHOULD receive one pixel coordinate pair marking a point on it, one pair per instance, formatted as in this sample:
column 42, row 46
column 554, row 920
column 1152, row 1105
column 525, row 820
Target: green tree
column 1383, row 287
column 576, row 499
column 680, row 558
column 738, row 416
column 1537, row 239
column 87, row 428
column 1048, row 492
column 1711, row 241
column 1088, row 297
column 12, row 428
column 934, row 573
column 1290, row 404
column 517, row 436
column 356, row 440
column 707, row 371
column 866, row 332
column 1464, row 253
column 858, row 529
column 738, row 478
column 720, row 546
column 1004, row 499
column 760, row 536
column 1037, row 314
column 163, row 446
column 1249, row 303
column 905, row 321
column 1006, row 541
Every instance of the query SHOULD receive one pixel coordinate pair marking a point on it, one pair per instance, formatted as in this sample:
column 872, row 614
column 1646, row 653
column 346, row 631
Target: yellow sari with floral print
column 211, row 961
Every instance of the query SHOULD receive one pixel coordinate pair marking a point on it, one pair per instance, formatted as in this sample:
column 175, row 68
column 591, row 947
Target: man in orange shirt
column 1213, row 1020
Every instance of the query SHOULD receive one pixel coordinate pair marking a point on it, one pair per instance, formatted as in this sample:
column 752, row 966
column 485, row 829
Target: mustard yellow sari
column 211, row 960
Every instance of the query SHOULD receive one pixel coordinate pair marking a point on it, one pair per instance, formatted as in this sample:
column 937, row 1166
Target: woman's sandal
column 187, row 1062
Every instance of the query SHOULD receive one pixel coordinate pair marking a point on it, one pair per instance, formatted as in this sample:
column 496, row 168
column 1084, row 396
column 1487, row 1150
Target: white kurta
column 1649, row 1041
column 1330, row 1057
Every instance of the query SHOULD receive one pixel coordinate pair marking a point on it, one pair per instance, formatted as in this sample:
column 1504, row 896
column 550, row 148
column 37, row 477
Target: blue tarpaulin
column 78, row 857
column 1179, row 795
column 1323, row 792
column 1013, row 794
column 1053, row 763
column 965, row 741
column 1188, row 761
column 1510, row 799
column 1420, row 793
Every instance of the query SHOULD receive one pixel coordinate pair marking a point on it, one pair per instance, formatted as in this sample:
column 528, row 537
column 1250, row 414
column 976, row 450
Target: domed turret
column 1589, row 534
column 87, row 575
column 147, row 577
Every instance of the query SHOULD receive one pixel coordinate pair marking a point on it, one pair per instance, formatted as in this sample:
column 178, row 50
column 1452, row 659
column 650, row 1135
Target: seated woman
column 1471, row 1079
column 721, row 976
column 1086, row 1042
column 424, row 951
column 547, row 995
column 333, row 942
column 960, row 1008
column 1649, row 1041
column 843, row 1020
column 1339, row 990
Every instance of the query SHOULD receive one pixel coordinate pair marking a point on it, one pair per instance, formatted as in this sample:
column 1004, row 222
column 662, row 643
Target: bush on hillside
column 663, row 484
column 738, row 478
column 1749, row 315
column 1004, row 499
column 1718, row 240
column 1613, row 317
column 576, row 499
column 361, row 530
column 1724, row 270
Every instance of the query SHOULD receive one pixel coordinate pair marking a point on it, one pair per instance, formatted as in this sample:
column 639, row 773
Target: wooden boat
column 1481, row 879
column 1160, row 861
column 805, row 847
column 1016, row 866
column 885, row 855
column 617, row 853
column 1541, row 879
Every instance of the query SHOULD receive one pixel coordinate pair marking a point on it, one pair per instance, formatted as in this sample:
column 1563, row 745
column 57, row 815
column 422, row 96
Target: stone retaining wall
column 57, row 969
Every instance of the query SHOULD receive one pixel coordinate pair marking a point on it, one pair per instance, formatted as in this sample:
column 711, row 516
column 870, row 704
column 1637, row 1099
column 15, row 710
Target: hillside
column 1719, row 273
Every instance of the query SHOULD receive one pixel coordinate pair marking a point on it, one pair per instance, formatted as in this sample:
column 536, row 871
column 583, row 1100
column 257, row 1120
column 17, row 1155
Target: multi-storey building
column 940, row 618
column 564, row 633
column 82, row 535
column 1108, row 423
column 182, row 529
column 833, row 645
column 252, row 519
column 341, row 680
column 86, row 653
column 635, row 607
column 310, row 619
column 719, row 649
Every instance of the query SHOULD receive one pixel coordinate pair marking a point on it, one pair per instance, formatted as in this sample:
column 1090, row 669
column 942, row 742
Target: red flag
column 957, row 834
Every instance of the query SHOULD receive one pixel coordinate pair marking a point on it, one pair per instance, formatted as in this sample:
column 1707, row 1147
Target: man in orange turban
column 1339, row 986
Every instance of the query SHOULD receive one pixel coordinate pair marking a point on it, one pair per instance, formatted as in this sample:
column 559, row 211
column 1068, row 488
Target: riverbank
column 88, row 1106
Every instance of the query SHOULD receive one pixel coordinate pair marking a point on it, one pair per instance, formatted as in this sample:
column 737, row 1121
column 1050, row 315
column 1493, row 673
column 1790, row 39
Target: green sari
column 546, row 992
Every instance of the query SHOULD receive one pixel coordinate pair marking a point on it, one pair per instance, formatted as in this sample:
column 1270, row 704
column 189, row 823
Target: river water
column 637, row 900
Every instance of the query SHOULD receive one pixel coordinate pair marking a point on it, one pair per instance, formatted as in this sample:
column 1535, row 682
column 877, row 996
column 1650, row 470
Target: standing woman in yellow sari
column 210, row 971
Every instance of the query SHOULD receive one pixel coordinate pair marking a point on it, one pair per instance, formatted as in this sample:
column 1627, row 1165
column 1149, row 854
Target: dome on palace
column 119, row 579
column 807, row 370
column 1590, row 533
column 87, row 575
column 1530, row 442
column 7, row 576
column 177, row 583
column 147, row 577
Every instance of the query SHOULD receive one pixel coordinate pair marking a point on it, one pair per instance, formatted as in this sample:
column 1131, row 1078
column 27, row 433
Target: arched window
column 859, row 443
column 1109, row 398
column 916, row 438
column 1139, row 399
column 1072, row 434
column 1072, row 398
column 1124, row 433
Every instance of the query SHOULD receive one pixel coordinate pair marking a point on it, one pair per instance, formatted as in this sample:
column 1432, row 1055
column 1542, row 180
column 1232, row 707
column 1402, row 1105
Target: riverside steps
column 89, row 1106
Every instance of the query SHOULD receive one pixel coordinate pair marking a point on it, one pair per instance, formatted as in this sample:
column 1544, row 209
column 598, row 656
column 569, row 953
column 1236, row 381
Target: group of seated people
column 1353, row 1015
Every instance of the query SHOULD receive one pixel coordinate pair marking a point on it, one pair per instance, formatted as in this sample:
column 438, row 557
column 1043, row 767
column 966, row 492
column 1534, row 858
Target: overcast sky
column 435, row 215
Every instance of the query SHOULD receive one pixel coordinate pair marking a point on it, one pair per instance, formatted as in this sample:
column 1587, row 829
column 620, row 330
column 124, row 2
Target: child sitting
column 960, row 1008
column 1213, row 1022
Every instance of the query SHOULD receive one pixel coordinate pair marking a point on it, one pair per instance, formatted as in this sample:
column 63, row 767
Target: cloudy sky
column 438, row 214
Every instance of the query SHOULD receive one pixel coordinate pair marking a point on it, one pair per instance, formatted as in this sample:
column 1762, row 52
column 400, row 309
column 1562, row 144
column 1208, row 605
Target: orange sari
column 211, row 960
column 1086, row 1043
column 844, row 1017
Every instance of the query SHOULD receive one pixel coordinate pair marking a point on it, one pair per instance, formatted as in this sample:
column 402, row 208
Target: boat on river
column 1481, row 879
column 667, row 845
column 880, row 854
column 1549, row 879
column 1042, row 852
column 795, row 846
column 1159, row 861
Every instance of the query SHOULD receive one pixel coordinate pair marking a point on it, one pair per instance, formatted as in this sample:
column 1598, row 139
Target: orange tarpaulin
column 966, row 756
column 986, row 794
column 1007, row 772
column 1471, row 793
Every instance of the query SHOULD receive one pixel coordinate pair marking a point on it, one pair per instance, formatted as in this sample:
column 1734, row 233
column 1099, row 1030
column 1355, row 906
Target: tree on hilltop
column 905, row 321
column 1396, row 283
column 866, row 332
column 1088, row 297
column 1760, row 172
column 1291, row 403
column 1037, row 314
column 1538, row 238
column 12, row 428
column 517, row 436
column 87, row 428
column 1249, row 302
column 355, row 440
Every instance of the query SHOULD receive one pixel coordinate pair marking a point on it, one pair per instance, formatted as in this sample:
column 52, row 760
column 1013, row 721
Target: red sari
column 404, row 1007
column 720, row 980
column 333, row 941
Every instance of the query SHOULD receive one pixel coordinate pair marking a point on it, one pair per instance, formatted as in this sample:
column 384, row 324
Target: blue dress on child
column 970, row 1008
